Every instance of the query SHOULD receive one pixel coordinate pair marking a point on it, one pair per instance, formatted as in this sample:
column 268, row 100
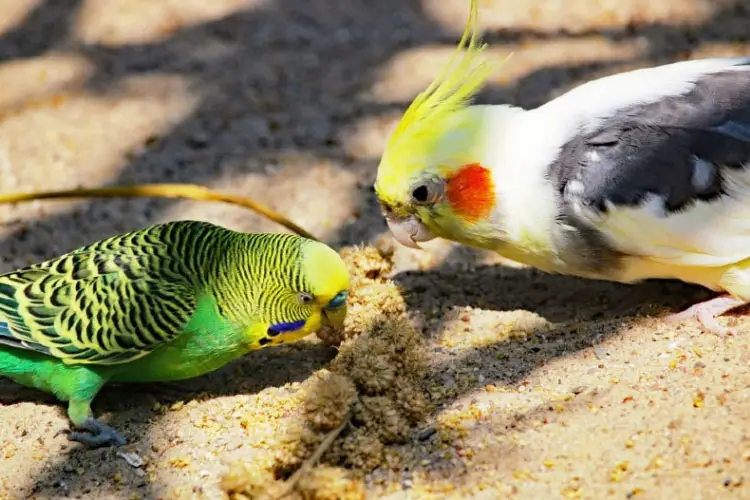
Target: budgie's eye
column 304, row 298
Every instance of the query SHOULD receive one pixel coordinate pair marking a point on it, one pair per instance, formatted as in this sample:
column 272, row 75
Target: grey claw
column 61, row 431
column 97, row 435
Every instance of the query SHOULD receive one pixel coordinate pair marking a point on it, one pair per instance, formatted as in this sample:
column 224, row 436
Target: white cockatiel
column 639, row 175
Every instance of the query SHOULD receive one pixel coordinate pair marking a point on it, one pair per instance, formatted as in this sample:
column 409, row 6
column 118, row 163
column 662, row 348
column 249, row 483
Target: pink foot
column 706, row 313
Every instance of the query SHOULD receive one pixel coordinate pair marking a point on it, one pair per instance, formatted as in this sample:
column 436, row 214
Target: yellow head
column 430, row 180
column 328, row 279
column 305, row 286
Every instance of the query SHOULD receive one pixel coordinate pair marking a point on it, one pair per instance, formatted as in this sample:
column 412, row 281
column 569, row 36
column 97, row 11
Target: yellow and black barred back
column 120, row 298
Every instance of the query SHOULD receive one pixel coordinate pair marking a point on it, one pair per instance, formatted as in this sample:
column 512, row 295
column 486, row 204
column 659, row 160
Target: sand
column 520, row 384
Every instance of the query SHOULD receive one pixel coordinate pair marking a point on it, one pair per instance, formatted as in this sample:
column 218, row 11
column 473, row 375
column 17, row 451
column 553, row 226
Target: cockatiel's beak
column 408, row 231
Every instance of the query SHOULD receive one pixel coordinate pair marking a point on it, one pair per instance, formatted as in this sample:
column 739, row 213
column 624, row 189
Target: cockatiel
column 169, row 302
column 639, row 175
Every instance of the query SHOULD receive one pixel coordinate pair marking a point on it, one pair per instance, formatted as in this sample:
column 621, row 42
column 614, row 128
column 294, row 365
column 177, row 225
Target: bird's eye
column 304, row 298
column 420, row 194
column 429, row 191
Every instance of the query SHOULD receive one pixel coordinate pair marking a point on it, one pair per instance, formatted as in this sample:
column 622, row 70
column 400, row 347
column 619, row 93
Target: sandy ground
column 534, row 386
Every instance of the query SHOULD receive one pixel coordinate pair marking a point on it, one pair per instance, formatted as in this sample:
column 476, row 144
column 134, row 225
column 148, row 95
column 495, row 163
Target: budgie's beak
column 408, row 231
column 335, row 317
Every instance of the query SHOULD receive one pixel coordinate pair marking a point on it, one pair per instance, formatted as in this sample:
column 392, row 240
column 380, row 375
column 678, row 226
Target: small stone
column 427, row 433
column 198, row 139
column 133, row 459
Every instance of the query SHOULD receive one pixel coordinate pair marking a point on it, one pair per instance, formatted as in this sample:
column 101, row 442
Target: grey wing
column 677, row 148
column 659, row 178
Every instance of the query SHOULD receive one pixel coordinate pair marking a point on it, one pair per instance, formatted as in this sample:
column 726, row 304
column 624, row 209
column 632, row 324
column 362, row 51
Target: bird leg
column 97, row 434
column 706, row 313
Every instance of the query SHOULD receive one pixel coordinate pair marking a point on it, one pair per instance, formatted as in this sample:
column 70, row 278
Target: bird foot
column 97, row 434
column 706, row 313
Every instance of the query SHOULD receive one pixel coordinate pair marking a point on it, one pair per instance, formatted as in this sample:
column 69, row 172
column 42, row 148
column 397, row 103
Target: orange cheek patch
column 471, row 192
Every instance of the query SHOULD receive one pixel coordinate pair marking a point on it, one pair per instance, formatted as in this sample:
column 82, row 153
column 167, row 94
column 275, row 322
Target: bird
column 167, row 302
column 637, row 175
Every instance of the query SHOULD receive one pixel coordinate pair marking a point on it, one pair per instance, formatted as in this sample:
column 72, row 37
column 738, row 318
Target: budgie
column 639, row 175
column 169, row 302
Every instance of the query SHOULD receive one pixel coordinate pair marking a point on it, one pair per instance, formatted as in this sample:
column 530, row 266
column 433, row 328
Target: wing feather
column 110, row 303
column 669, row 180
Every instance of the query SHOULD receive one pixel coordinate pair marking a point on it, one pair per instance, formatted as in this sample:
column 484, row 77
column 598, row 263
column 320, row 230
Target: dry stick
column 185, row 191
column 290, row 483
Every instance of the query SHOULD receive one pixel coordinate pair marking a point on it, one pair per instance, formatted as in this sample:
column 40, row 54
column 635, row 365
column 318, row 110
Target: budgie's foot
column 98, row 434
column 706, row 313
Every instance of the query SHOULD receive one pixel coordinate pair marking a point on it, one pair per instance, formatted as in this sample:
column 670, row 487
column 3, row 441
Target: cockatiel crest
column 428, row 163
column 643, row 174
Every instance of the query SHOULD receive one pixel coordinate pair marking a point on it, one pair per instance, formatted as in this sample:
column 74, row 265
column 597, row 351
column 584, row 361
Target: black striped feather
column 120, row 298
column 102, row 304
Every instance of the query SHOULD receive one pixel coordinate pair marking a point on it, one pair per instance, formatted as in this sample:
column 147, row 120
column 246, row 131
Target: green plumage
column 169, row 302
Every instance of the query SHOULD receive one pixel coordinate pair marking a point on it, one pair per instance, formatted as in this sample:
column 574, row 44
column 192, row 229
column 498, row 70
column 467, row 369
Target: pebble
column 133, row 459
column 198, row 140
column 427, row 433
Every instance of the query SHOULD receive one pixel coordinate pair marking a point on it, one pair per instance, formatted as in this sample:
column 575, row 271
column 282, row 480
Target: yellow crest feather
column 449, row 92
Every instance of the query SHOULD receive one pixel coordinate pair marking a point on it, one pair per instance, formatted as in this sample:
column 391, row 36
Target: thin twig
column 184, row 191
column 324, row 445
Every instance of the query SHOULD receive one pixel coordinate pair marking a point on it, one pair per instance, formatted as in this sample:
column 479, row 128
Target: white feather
column 596, row 100
column 703, row 173
column 713, row 233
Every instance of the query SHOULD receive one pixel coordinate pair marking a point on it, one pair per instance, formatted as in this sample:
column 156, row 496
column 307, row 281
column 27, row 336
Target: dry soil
column 535, row 386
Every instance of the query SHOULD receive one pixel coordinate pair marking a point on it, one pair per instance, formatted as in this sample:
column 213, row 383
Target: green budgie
column 169, row 302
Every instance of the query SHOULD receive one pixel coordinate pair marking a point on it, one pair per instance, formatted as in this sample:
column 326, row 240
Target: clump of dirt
column 370, row 398
column 245, row 480
column 331, row 483
column 387, row 366
column 371, row 294
column 326, row 406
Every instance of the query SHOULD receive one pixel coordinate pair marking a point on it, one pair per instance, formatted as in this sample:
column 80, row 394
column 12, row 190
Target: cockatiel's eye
column 427, row 192
column 420, row 194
